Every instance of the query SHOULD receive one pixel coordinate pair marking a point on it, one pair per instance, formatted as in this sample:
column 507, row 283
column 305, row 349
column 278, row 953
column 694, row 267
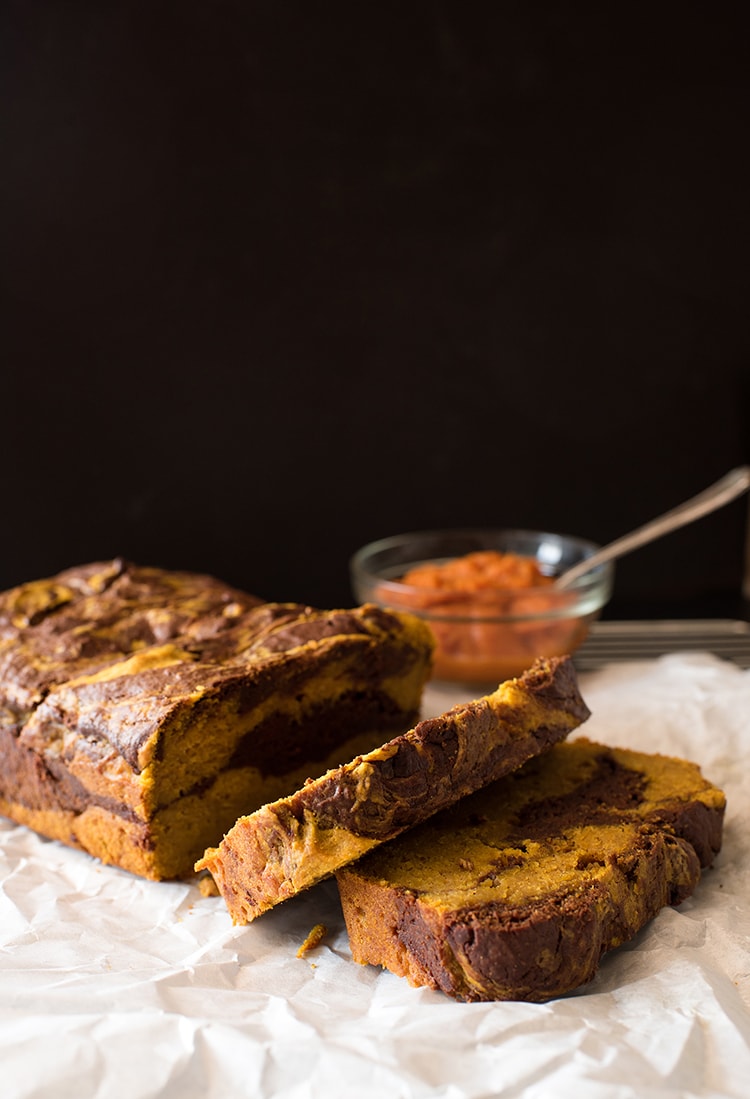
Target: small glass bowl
column 487, row 636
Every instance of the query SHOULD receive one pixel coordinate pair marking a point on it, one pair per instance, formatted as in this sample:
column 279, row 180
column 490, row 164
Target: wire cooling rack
column 612, row 641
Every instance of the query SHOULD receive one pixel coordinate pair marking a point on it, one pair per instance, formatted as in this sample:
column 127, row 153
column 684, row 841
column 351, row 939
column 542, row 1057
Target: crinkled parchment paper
column 111, row 986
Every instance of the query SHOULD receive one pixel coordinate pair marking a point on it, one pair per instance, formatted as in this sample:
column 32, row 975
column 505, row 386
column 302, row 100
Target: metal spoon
column 733, row 484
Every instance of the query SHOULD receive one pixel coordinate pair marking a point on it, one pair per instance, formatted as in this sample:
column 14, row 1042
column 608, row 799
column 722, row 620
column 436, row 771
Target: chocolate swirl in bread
column 287, row 846
column 142, row 711
column 516, row 892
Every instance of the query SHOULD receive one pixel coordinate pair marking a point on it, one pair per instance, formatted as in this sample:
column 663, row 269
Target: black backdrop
column 279, row 278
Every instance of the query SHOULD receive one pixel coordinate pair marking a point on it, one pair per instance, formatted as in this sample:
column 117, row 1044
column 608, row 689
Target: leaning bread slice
column 517, row 891
column 290, row 844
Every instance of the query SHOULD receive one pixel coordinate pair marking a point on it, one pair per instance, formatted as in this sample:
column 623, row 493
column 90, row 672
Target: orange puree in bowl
column 484, row 570
column 492, row 614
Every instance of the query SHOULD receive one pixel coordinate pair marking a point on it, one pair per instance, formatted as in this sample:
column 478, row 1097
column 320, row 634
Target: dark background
column 278, row 279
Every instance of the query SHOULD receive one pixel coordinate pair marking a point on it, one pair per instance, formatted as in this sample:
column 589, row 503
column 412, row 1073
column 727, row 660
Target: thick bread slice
column 516, row 892
column 291, row 844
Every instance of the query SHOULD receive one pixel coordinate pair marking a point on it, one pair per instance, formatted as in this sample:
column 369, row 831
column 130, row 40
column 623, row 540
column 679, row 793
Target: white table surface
column 112, row 986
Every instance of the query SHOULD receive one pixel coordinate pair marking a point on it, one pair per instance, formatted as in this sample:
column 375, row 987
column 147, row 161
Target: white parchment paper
column 111, row 986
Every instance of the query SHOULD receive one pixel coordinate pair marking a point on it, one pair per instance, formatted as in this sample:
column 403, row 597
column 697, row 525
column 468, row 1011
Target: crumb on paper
column 208, row 887
column 314, row 939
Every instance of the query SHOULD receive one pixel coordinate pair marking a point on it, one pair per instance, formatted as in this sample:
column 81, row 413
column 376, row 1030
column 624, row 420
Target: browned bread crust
column 291, row 844
column 516, row 892
column 142, row 710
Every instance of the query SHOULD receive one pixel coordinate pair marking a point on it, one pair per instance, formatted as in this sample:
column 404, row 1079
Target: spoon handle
column 733, row 484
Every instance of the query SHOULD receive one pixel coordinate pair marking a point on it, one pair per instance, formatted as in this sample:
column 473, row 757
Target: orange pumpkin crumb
column 314, row 938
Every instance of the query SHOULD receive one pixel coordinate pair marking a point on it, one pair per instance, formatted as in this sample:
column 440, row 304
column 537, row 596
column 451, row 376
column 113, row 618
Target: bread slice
column 142, row 710
column 289, row 845
column 516, row 892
